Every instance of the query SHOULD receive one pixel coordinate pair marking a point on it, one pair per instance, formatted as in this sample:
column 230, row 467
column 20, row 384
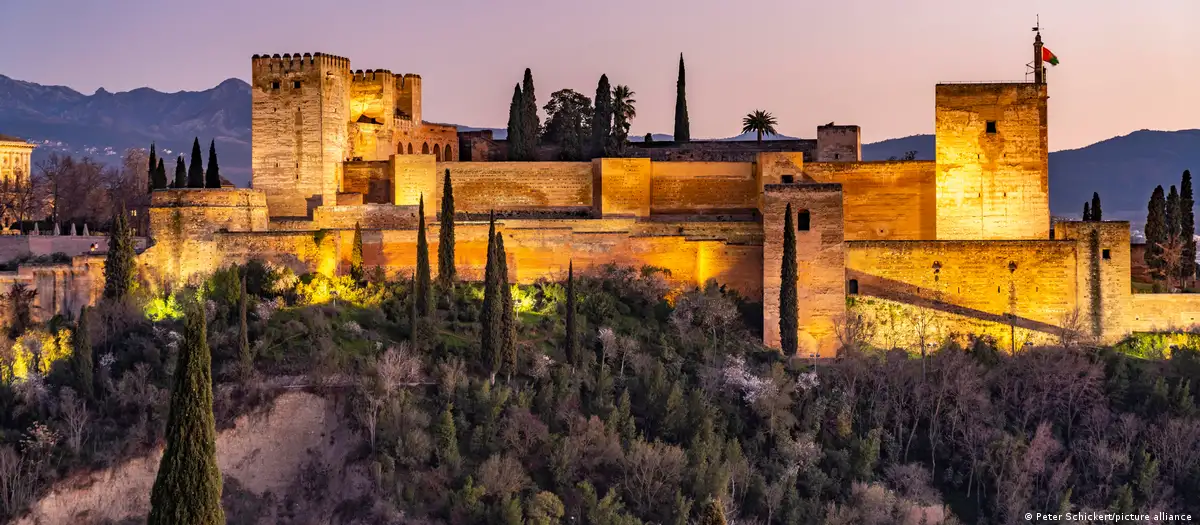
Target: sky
column 1124, row 65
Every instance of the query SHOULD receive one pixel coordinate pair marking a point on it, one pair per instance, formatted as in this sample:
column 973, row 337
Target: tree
column 446, row 438
column 682, row 128
column 530, row 124
column 447, row 272
column 160, row 176
column 152, row 170
column 602, row 118
column 1187, row 217
column 1096, row 215
column 180, row 174
column 571, row 342
column 490, row 315
column 648, row 139
column 119, row 265
column 187, row 490
column 759, row 122
column 568, row 117
column 195, row 176
column 245, row 357
column 544, row 509
column 1087, row 211
column 515, row 141
column 19, row 299
column 623, row 115
column 212, row 177
column 712, row 514
column 81, row 356
column 356, row 254
column 1156, row 231
column 508, row 330
column 788, row 300
column 1173, row 221
column 424, row 282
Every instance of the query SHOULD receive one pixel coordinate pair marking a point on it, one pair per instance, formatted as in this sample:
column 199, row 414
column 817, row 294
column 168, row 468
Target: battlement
column 298, row 62
column 372, row 75
column 808, row 187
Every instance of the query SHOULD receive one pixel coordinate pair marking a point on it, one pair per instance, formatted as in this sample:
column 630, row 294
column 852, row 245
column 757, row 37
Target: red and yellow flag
column 1047, row 56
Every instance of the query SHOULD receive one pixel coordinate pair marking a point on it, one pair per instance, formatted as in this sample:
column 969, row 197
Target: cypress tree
column 81, row 356
column 1173, row 216
column 515, row 128
column 788, row 300
column 152, row 170
column 682, row 128
column 160, row 176
column 447, row 438
column 530, row 124
column 212, row 177
column 1087, row 211
column 571, row 345
column 180, row 174
column 1097, row 215
column 356, row 254
column 1156, row 231
column 245, row 356
column 602, row 116
column 490, row 316
column 119, row 263
column 187, row 490
column 1187, row 215
column 424, row 294
column 712, row 513
column 508, row 344
column 195, row 175
column 447, row 273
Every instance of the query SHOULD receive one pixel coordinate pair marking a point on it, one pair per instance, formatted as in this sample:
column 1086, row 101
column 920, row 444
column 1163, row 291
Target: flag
column 1047, row 56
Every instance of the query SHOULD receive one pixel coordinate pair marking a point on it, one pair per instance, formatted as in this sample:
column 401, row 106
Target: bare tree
column 651, row 473
column 75, row 418
column 1172, row 257
column 398, row 367
column 17, row 480
column 1070, row 328
column 854, row 331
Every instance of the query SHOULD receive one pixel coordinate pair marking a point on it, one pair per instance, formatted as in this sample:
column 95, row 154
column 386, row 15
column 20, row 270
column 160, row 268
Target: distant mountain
column 1124, row 170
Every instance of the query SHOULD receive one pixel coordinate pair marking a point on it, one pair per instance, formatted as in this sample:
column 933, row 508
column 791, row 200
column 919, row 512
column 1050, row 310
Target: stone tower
column 992, row 152
column 301, row 107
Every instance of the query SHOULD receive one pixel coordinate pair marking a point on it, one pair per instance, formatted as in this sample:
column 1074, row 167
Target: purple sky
column 1125, row 65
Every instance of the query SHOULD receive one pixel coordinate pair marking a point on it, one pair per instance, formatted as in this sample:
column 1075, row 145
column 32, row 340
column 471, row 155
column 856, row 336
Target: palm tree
column 760, row 122
column 623, row 114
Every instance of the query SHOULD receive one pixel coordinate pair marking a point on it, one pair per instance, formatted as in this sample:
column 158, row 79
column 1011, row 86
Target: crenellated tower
column 301, row 107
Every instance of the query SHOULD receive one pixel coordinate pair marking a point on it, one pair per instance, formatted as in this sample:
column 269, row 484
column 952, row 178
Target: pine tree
column 446, row 436
column 490, row 316
column 119, row 264
column 187, row 490
column 245, row 357
column 1087, row 211
column 602, row 116
column 160, row 176
column 1156, row 232
column 152, row 168
column 424, row 283
column 1097, row 215
column 571, row 344
column 1173, row 221
column 81, row 356
column 712, row 513
column 788, row 300
column 195, row 175
column 356, row 254
column 682, row 128
column 180, row 174
column 515, row 128
column 508, row 343
column 1187, row 215
column 447, row 272
column 212, row 177
column 530, row 124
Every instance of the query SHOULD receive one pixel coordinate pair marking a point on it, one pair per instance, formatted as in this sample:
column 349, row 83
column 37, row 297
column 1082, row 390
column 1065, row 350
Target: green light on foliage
column 159, row 309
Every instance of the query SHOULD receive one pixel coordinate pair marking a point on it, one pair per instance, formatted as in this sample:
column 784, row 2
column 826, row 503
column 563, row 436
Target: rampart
column 681, row 188
column 526, row 185
column 61, row 289
column 888, row 200
column 1162, row 312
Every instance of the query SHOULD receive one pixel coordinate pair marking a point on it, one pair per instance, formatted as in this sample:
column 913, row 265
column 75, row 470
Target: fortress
column 960, row 245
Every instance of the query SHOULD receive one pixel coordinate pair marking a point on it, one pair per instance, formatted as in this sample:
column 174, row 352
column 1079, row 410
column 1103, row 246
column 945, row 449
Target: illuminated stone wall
column 371, row 179
column 892, row 200
column 373, row 216
column 62, row 289
column 483, row 186
column 702, row 187
column 184, row 223
column 621, row 187
column 1162, row 312
column 839, row 143
column 1103, row 263
column 821, row 257
column 991, row 158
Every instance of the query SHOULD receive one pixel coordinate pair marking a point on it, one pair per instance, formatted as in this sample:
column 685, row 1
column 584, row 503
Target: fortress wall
column 15, row 246
column 372, row 179
column 483, row 186
column 370, row 216
column 897, row 324
column 700, row 187
column 621, row 187
column 1103, row 267
column 1160, row 312
column 972, row 280
column 888, row 200
column 839, row 143
column 61, row 288
column 414, row 176
column 737, row 232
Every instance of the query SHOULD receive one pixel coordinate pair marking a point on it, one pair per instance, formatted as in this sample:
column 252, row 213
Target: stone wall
column 821, row 259
column 702, row 187
column 839, row 143
column 991, row 157
column 1103, row 269
column 16, row 246
column 372, row 179
column 718, row 150
column 621, row 187
column 183, row 224
column 483, row 186
column 62, row 289
column 372, row 216
column 1162, row 312
column 891, row 200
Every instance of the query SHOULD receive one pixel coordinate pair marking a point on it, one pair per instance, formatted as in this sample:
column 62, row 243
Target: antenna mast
column 1036, row 67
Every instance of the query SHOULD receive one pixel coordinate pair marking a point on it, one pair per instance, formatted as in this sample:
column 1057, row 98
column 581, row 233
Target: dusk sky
column 1124, row 65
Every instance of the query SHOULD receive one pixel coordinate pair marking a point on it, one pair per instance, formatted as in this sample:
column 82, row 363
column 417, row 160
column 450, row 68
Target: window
column 275, row 85
column 991, row 126
column 788, row 179
column 802, row 220
column 837, row 156
column 1106, row 254
column 852, row 287
column 295, row 84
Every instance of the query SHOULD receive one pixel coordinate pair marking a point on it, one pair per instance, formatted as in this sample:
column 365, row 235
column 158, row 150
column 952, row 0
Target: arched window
column 449, row 157
column 437, row 151
column 400, row 149
column 852, row 287
column 410, row 148
column 425, row 148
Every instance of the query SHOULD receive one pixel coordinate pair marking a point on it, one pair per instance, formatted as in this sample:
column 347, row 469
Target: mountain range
column 1124, row 170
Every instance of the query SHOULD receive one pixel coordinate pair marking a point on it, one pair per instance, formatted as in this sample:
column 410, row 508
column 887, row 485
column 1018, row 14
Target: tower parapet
column 839, row 143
